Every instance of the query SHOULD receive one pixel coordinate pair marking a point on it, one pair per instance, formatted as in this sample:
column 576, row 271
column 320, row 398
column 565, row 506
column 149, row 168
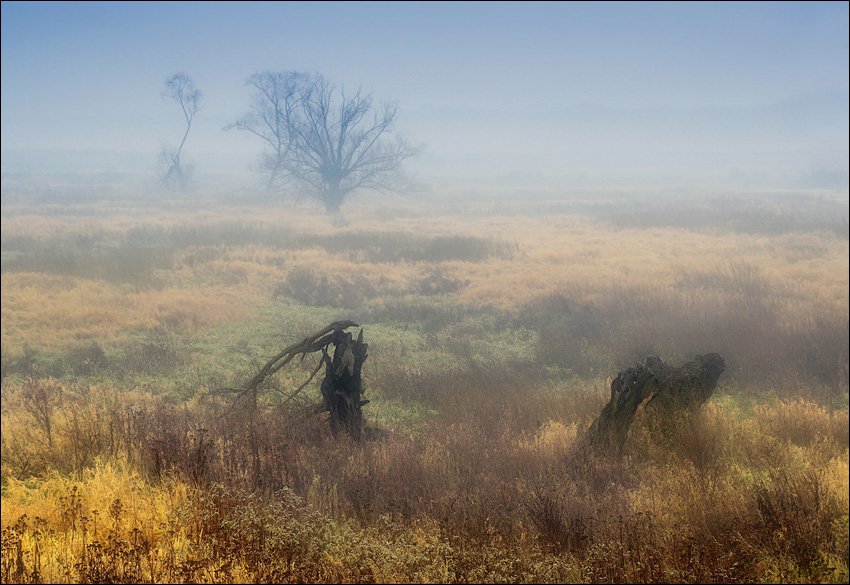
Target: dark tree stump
column 672, row 388
column 342, row 387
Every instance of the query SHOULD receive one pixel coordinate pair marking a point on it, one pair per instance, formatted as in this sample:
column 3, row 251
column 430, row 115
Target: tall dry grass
column 491, row 337
column 724, row 497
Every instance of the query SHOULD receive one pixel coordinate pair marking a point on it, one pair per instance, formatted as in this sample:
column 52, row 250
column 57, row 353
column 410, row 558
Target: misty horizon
column 688, row 94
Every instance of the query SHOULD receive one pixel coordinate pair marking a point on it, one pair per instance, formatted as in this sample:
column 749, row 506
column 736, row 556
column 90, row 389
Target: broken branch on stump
column 312, row 343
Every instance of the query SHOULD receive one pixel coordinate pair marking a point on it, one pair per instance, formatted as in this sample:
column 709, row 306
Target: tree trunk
column 332, row 201
column 342, row 387
column 672, row 388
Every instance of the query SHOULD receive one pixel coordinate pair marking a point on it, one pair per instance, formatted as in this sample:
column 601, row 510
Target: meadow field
column 495, row 320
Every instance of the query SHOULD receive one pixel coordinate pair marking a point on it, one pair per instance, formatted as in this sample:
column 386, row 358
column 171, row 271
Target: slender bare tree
column 324, row 143
column 180, row 88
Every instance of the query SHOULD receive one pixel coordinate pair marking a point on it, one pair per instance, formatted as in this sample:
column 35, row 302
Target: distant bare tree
column 181, row 89
column 325, row 144
column 271, row 118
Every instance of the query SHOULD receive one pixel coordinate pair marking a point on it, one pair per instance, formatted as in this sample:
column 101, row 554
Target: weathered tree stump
column 689, row 386
column 342, row 388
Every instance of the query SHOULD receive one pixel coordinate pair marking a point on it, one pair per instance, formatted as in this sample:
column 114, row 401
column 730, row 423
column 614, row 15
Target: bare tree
column 182, row 90
column 324, row 143
column 271, row 118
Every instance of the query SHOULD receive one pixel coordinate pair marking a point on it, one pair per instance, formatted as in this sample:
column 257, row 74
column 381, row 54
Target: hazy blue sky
column 491, row 88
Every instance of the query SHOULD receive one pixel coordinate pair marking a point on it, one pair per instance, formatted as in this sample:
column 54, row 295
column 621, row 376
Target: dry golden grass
column 58, row 311
column 715, row 503
column 488, row 368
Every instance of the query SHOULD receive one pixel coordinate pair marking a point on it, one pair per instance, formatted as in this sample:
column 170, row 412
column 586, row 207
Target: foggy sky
column 492, row 89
